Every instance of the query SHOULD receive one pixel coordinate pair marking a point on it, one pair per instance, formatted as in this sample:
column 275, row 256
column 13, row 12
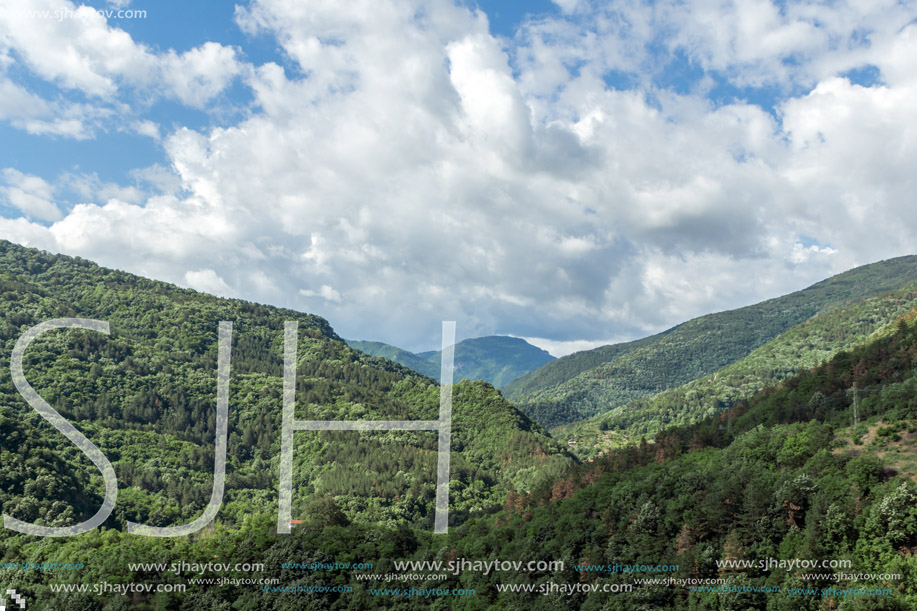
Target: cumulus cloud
column 77, row 49
column 559, row 348
column 89, row 187
column 146, row 128
column 207, row 281
column 404, row 167
column 33, row 114
column 31, row 195
column 81, row 50
column 325, row 292
column 22, row 231
column 802, row 253
column 197, row 76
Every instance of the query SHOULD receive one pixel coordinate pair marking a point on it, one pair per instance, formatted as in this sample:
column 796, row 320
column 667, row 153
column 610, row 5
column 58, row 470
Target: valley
column 803, row 447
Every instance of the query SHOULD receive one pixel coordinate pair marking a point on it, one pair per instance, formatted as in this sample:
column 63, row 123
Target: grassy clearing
column 893, row 443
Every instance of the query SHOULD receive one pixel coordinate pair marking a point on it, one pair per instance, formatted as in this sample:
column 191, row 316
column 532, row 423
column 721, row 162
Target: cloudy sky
column 572, row 172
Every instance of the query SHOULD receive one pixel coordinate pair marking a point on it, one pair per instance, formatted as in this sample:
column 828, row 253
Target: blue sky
column 571, row 172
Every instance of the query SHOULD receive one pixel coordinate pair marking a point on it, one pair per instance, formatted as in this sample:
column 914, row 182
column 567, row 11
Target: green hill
column 585, row 384
column 145, row 394
column 403, row 357
column 714, row 515
column 497, row 359
column 780, row 478
column 821, row 469
column 801, row 348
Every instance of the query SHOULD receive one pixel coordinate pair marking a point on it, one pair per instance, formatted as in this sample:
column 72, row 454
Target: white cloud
column 77, row 49
column 207, row 281
column 16, row 103
column 802, row 253
column 197, row 76
column 30, row 194
column 88, row 187
column 79, row 52
column 325, row 292
column 559, row 348
column 751, row 43
column 35, row 115
column 27, row 233
column 850, row 168
column 567, row 6
column 67, row 128
column 146, row 128
column 492, row 104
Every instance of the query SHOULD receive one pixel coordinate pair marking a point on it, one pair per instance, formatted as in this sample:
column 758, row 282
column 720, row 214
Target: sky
column 573, row 172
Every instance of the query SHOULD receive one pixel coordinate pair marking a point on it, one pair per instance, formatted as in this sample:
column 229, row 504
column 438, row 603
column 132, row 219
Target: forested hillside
column 585, row 384
column 146, row 395
column 497, row 359
column 811, row 471
column 785, row 475
column 410, row 360
column 799, row 349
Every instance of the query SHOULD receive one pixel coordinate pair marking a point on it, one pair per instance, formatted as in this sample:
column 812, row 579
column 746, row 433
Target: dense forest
column 145, row 395
column 821, row 467
column 427, row 367
column 585, row 384
column 784, row 475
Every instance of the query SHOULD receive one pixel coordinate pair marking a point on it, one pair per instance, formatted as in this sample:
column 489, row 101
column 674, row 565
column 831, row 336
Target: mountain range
column 796, row 350
column 498, row 359
column 800, row 446
column 586, row 384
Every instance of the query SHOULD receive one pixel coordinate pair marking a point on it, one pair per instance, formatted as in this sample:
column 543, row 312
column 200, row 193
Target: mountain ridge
column 145, row 395
column 809, row 470
column 800, row 348
column 497, row 359
column 585, row 384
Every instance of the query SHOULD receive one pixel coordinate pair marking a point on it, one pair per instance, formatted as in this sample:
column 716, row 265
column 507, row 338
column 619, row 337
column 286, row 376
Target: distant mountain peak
column 498, row 359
